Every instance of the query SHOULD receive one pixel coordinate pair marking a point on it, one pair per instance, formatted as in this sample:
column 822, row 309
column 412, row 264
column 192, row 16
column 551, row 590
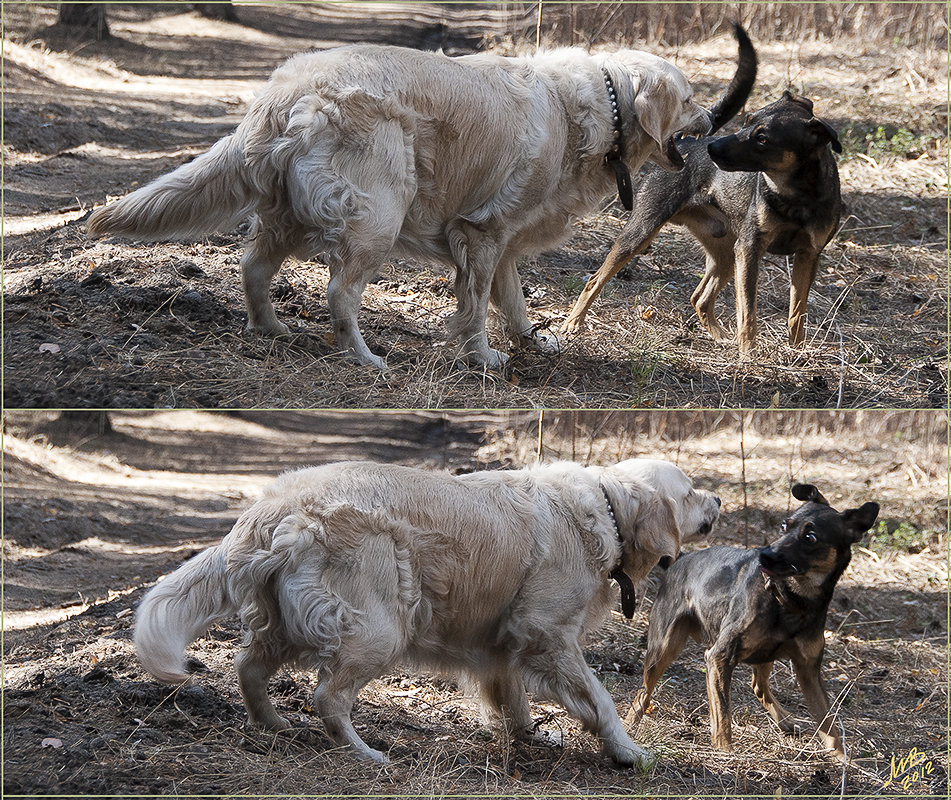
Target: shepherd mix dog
column 356, row 568
column 366, row 153
column 754, row 607
column 772, row 187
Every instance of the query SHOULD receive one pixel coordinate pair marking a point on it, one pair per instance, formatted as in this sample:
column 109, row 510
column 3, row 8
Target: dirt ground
column 122, row 325
column 90, row 524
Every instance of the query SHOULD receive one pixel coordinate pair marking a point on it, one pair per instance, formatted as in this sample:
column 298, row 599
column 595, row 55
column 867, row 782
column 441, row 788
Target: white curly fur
column 364, row 152
column 356, row 568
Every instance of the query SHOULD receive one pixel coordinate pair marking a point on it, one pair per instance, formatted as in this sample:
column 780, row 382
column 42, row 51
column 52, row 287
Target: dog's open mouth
column 673, row 154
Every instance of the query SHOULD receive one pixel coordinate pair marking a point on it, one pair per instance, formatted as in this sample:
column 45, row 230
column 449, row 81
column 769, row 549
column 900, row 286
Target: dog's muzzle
column 776, row 566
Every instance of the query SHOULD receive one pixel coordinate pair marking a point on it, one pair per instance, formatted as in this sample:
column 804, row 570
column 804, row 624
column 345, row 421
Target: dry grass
column 886, row 648
column 877, row 331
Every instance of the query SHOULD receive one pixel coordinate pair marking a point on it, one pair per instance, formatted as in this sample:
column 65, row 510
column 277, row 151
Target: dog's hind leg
column 717, row 274
column 760, row 684
column 557, row 671
column 662, row 650
column 476, row 253
column 259, row 264
column 254, row 669
column 721, row 660
column 807, row 667
column 634, row 240
column 334, row 698
column 347, row 283
column 805, row 265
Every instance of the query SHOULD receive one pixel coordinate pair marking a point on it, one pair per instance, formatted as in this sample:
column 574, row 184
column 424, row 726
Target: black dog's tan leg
column 807, row 669
column 805, row 265
column 760, row 684
column 662, row 651
column 720, row 662
column 748, row 253
column 259, row 264
column 625, row 248
column 719, row 270
column 254, row 670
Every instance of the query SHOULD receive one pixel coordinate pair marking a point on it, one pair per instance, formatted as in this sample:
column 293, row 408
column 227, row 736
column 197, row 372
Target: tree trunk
column 84, row 20
column 223, row 11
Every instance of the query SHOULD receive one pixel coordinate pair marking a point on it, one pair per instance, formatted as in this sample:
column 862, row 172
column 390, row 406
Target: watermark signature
column 909, row 770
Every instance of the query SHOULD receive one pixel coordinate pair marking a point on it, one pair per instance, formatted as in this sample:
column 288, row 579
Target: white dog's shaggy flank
column 363, row 153
column 356, row 568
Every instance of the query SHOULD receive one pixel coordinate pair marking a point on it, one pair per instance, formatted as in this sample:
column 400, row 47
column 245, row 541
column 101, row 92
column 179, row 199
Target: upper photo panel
column 479, row 205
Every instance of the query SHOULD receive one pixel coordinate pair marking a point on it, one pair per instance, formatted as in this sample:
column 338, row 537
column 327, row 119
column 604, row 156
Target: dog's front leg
column 817, row 700
column 720, row 663
column 559, row 673
column 508, row 298
column 805, row 265
column 476, row 253
column 748, row 252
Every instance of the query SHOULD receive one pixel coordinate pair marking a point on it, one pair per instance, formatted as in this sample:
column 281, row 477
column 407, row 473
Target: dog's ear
column 625, row 504
column 805, row 102
column 808, row 494
column 644, row 517
column 858, row 520
column 824, row 132
column 653, row 108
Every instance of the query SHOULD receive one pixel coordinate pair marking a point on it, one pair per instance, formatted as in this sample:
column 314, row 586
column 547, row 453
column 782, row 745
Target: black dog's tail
column 738, row 91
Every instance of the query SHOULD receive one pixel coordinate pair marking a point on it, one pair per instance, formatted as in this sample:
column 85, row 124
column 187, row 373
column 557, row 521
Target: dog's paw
column 369, row 754
column 546, row 343
column 542, row 738
column 270, row 330
column 572, row 325
column 628, row 754
column 490, row 359
column 367, row 359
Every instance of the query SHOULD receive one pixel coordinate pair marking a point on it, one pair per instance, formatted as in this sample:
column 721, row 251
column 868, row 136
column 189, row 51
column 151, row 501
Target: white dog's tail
column 205, row 195
column 179, row 609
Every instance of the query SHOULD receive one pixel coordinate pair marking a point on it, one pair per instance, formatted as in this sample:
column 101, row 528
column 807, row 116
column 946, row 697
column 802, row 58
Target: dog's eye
column 809, row 537
column 784, row 526
column 761, row 138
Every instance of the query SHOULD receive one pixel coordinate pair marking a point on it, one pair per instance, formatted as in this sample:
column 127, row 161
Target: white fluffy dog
column 356, row 568
column 363, row 153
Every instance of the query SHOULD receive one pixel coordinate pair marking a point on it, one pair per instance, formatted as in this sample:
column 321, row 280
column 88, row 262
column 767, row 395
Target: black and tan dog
column 754, row 607
column 771, row 187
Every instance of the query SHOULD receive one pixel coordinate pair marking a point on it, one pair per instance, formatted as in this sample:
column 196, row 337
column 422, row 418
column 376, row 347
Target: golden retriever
column 365, row 152
column 356, row 568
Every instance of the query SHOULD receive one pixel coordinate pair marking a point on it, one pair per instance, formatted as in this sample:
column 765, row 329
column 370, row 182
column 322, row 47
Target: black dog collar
column 628, row 599
column 613, row 158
